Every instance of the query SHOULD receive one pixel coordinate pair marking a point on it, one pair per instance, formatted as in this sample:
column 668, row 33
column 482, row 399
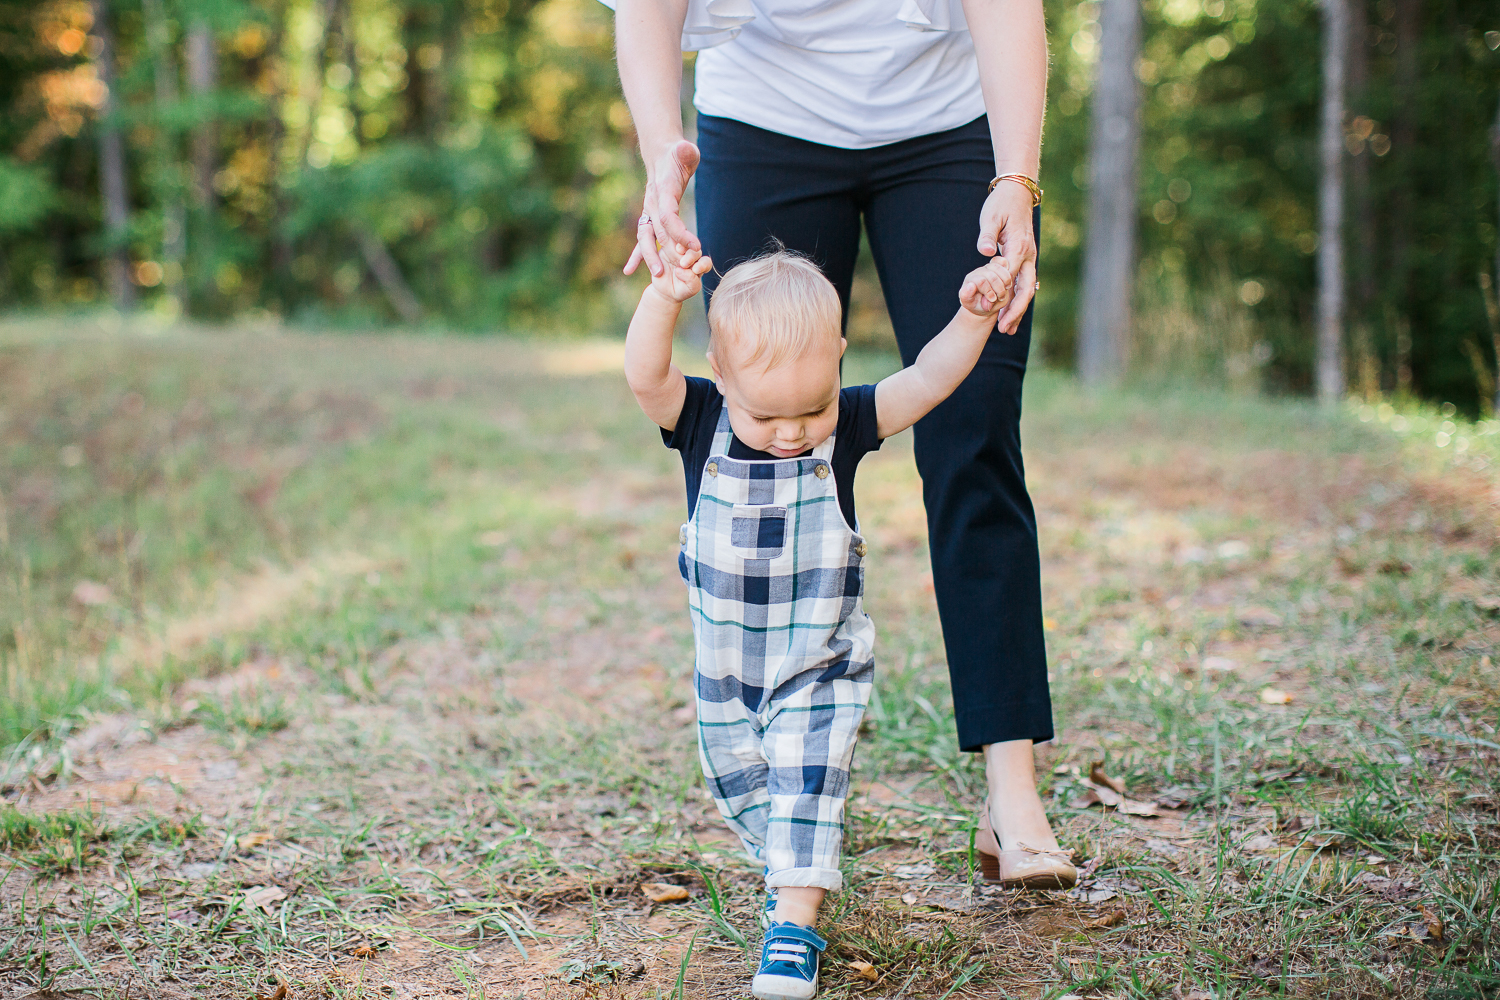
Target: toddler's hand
column 680, row 282
column 986, row 291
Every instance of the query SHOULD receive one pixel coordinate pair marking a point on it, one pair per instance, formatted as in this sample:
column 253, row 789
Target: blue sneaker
column 788, row 963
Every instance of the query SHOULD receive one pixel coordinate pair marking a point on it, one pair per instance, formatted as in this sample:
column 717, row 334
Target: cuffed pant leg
column 809, row 746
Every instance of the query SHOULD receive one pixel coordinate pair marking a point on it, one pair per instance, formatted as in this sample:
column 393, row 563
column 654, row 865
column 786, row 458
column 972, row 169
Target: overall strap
column 722, row 433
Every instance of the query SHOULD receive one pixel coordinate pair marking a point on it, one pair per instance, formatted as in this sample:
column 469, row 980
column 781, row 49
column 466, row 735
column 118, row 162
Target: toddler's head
column 774, row 345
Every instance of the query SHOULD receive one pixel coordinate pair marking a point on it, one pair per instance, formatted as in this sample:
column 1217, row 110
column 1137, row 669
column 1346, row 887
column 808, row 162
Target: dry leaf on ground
column 1134, row 807
column 909, row 898
column 865, row 970
column 280, row 993
column 1259, row 617
column 1433, row 925
column 664, row 892
column 364, row 951
column 1098, row 777
column 246, row 841
column 263, row 896
column 1275, row 696
column 1114, row 919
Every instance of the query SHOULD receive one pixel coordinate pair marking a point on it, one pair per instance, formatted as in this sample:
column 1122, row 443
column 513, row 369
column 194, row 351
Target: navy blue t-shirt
column 856, row 435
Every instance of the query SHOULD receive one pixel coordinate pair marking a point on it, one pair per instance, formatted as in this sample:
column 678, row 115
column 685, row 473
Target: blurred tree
column 112, row 193
column 1109, row 262
column 483, row 144
column 1330, row 332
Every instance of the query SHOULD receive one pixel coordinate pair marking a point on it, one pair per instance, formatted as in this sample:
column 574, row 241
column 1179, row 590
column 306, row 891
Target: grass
column 391, row 626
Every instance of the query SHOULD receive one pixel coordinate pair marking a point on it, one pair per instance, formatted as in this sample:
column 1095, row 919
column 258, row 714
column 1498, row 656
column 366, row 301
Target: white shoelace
column 786, row 951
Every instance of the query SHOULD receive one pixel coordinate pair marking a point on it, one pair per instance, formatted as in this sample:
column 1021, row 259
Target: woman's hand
column 661, row 228
column 1005, row 228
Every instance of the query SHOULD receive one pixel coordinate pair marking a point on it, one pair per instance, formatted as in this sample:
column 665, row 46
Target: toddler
column 773, row 558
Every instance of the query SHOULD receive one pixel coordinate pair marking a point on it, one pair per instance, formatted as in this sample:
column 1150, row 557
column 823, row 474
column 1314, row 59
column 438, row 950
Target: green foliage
column 480, row 151
column 26, row 196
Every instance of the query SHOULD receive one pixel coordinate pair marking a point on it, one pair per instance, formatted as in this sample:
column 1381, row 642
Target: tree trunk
column 174, row 218
column 112, row 187
column 1330, row 363
column 1104, row 319
column 202, row 73
column 388, row 273
column 1408, row 30
column 1495, row 326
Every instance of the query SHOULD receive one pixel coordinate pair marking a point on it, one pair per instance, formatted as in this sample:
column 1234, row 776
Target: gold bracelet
column 1027, row 182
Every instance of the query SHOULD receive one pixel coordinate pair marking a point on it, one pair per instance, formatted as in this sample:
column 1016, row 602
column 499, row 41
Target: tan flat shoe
column 1023, row 868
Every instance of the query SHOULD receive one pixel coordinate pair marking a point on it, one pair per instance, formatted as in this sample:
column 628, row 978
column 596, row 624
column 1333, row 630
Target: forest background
column 469, row 165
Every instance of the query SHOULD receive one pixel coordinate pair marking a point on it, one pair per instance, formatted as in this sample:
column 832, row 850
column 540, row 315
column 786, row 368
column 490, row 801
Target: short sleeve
column 688, row 433
column 712, row 22
column 859, row 426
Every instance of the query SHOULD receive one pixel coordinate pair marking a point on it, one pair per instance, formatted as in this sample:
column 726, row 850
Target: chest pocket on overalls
column 757, row 532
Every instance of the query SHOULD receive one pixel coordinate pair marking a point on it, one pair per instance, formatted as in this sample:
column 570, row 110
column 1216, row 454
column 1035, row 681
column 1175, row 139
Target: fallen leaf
column 280, row 993
column 364, row 951
column 246, row 841
column 1261, row 842
column 1395, row 567
column 263, row 896
column 1098, row 777
column 1132, row 807
column 1099, row 895
column 1434, row 925
column 1114, row 919
column 1220, row 664
column 91, row 594
column 1175, row 797
column 664, row 892
column 913, row 871
column 1088, row 797
column 909, row 898
column 865, row 970
column 1275, row 696
column 1488, row 603
column 1258, row 617
column 1193, row 994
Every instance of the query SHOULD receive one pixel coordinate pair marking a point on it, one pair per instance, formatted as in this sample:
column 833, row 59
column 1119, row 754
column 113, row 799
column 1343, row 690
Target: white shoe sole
column 782, row 988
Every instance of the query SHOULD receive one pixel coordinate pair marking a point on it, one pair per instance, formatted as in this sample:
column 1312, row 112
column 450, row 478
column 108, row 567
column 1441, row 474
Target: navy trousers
column 919, row 200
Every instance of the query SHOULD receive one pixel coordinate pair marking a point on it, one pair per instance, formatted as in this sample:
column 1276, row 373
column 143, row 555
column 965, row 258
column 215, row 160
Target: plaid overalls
column 784, row 660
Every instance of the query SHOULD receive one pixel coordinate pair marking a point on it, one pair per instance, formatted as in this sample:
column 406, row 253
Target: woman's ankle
column 1016, row 810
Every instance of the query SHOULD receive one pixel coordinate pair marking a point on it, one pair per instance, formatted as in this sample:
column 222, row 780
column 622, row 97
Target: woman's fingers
column 991, row 224
column 1025, row 287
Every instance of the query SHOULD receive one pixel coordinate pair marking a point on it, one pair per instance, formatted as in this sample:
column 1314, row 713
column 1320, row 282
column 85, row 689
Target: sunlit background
column 468, row 165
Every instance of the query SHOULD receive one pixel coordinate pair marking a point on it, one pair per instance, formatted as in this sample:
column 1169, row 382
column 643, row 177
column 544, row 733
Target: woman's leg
column 925, row 197
column 754, row 186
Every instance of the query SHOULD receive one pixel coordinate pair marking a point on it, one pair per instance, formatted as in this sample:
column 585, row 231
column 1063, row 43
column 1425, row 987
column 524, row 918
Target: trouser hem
column 813, row 878
column 977, row 728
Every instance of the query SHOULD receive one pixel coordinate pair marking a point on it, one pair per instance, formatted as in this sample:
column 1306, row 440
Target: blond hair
column 778, row 305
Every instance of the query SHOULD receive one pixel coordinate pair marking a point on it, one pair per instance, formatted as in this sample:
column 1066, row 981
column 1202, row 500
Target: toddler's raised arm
column 658, row 384
column 910, row 394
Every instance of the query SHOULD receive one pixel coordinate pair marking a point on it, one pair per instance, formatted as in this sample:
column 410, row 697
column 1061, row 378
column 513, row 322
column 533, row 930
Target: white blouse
column 847, row 73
